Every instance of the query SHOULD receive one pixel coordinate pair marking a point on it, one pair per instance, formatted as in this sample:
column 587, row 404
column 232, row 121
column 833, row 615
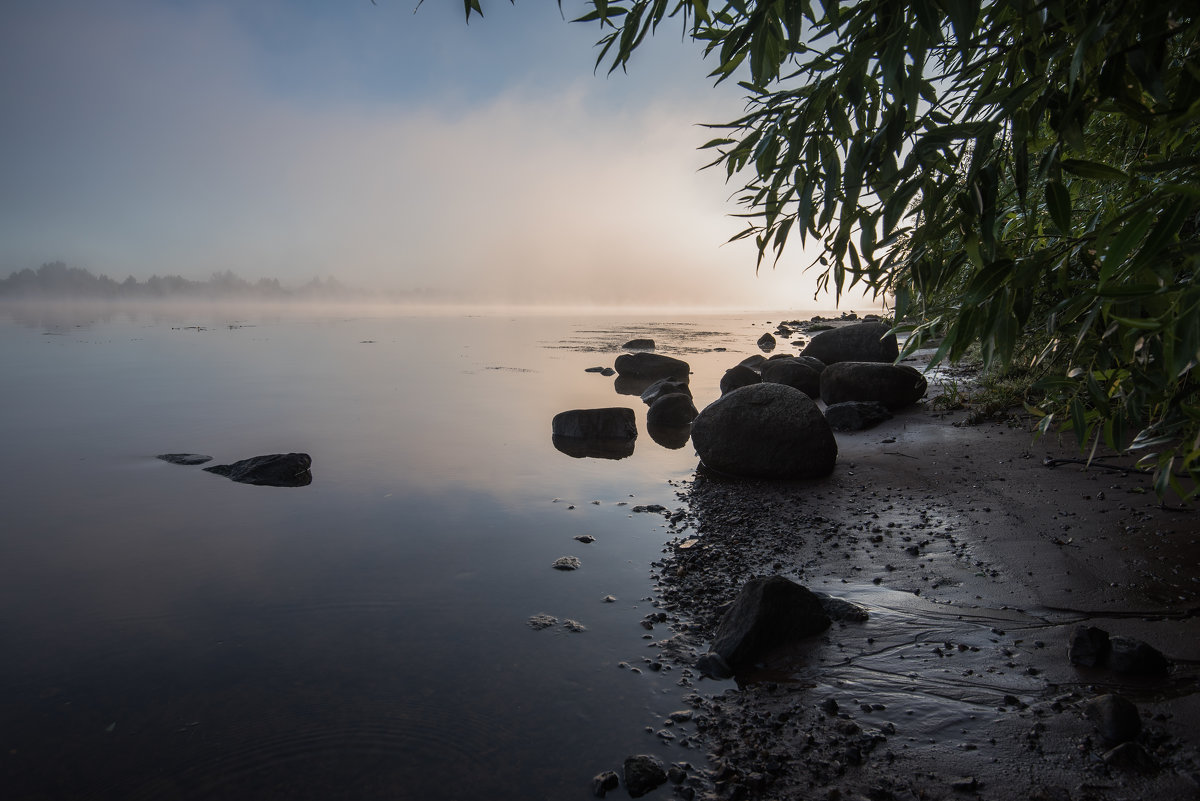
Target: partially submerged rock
column 766, row 342
column 651, row 365
column 768, row 613
column 615, row 422
column 864, row 342
column 643, row 773
column 895, row 386
column 639, row 344
column 665, row 386
column 765, row 431
column 272, row 470
column 671, row 411
column 739, row 376
column 184, row 458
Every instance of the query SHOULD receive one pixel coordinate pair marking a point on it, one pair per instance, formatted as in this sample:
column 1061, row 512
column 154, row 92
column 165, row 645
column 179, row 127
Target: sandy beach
column 976, row 556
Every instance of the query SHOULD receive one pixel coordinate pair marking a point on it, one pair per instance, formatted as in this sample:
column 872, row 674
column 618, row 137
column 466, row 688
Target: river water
column 169, row 633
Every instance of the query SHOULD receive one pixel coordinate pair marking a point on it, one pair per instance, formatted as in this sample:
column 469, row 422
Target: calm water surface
column 172, row 634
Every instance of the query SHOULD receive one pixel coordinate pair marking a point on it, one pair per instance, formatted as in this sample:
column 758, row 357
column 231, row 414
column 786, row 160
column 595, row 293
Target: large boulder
column 617, row 422
column 765, row 431
column 767, row 614
column 651, row 365
column 671, row 411
column 895, row 386
column 864, row 342
column 272, row 470
column 737, row 377
column 793, row 373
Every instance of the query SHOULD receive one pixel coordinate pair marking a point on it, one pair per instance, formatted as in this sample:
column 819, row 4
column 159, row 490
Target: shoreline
column 976, row 562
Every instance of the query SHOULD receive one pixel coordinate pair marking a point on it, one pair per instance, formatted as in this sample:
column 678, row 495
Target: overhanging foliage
column 1007, row 173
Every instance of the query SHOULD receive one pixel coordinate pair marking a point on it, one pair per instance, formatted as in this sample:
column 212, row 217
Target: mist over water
column 174, row 634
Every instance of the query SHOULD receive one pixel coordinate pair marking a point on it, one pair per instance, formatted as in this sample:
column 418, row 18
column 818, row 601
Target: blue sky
column 387, row 148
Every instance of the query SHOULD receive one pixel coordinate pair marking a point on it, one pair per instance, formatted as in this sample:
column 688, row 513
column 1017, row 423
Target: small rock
column 574, row 626
column 603, row 782
column 184, row 458
column 586, row 539
column 639, row 344
column 643, row 773
column 566, row 563
column 272, row 470
column 541, row 621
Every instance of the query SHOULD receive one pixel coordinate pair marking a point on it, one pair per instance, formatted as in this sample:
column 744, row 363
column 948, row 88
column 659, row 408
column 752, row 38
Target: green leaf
column 1093, row 169
column 1058, row 203
column 1122, row 244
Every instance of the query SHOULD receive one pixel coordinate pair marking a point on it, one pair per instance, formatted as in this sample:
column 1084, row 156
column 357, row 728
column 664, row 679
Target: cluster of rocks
column 271, row 470
column 767, row 423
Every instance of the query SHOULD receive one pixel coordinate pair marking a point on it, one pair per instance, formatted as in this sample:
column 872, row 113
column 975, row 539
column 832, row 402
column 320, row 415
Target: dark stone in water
column 603, row 782
column 642, row 774
column 651, row 365
column 184, row 458
column 614, row 422
column 766, row 342
column 664, row 386
column 639, row 344
column 671, row 411
column 272, row 470
column 738, row 376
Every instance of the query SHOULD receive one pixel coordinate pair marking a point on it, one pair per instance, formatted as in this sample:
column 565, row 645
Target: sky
column 385, row 145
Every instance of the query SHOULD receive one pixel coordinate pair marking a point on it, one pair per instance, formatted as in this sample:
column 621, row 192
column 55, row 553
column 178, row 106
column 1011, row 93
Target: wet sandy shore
column 976, row 561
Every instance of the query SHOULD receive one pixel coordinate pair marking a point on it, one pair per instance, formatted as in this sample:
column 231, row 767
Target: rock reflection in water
column 594, row 448
column 670, row 437
column 631, row 385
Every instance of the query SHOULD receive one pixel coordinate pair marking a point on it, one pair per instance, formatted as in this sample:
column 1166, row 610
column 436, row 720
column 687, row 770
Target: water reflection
column 670, row 437
column 579, row 448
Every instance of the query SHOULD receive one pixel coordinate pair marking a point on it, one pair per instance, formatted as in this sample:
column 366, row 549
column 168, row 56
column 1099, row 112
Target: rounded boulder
column 863, row 342
column 765, row 431
column 793, row 373
column 895, row 386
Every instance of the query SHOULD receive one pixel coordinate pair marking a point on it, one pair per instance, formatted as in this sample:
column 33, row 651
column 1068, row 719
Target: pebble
column 566, row 563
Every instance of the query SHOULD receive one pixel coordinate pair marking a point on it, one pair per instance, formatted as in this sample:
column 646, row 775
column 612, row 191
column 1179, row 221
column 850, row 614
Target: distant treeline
column 57, row 280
